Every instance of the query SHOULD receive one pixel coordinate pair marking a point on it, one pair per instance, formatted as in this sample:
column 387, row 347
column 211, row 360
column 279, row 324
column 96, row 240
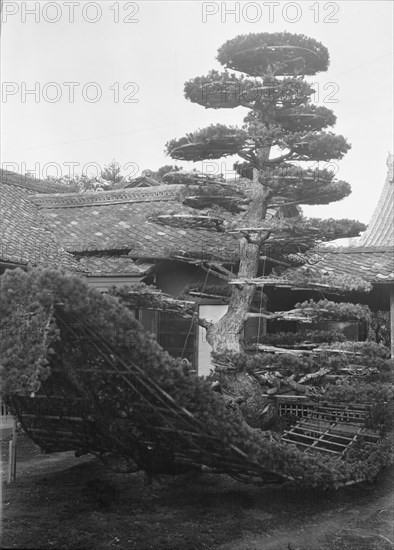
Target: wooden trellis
column 68, row 413
column 75, row 409
column 331, row 437
column 299, row 406
column 327, row 427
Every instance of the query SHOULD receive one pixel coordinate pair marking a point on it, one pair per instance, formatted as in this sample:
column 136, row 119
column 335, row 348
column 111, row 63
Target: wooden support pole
column 273, row 261
column 392, row 319
column 11, row 475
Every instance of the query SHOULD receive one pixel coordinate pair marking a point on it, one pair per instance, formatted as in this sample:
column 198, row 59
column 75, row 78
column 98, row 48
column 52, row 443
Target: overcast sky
column 129, row 61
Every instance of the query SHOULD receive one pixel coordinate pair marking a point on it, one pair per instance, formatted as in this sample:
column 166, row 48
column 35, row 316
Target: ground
column 62, row 502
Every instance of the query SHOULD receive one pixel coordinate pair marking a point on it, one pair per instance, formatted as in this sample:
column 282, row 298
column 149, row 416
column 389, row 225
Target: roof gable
column 142, row 181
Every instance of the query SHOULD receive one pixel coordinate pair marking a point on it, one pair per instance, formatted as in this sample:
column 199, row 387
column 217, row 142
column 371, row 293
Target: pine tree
column 112, row 173
column 282, row 143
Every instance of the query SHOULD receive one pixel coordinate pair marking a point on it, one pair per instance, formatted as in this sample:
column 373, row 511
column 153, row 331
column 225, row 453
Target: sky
column 85, row 83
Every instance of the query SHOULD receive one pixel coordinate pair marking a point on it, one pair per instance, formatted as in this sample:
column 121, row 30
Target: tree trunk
column 227, row 334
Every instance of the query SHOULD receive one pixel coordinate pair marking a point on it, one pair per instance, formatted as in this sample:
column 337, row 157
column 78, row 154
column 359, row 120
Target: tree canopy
column 283, row 147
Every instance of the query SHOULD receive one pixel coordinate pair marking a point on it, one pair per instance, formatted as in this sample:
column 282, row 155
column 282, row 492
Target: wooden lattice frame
column 327, row 427
column 67, row 415
column 59, row 422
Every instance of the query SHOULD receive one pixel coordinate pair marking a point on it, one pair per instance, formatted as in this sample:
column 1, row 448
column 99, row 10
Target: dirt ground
column 60, row 501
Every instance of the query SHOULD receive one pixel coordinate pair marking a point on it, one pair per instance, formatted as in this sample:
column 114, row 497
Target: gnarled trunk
column 227, row 334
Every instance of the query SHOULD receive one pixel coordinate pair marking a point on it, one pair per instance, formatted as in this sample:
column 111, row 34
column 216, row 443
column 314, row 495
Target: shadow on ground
column 59, row 501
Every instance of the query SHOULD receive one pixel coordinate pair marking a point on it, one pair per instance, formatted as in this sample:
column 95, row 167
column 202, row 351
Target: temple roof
column 380, row 230
column 374, row 264
column 370, row 256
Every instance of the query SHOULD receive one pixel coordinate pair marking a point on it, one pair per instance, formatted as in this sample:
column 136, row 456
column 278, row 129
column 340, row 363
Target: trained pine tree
column 282, row 142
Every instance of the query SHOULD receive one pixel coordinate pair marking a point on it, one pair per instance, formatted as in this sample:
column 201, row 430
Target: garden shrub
column 379, row 330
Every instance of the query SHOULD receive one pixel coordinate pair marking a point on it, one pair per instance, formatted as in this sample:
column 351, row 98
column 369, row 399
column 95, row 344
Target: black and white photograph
column 196, row 275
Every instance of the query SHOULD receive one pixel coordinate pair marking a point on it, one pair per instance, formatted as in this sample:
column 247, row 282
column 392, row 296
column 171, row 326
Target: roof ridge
column 102, row 198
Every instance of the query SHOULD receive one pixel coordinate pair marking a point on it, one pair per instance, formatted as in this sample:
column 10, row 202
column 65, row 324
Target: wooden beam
column 264, row 314
column 205, row 295
column 214, row 272
column 273, row 261
column 269, row 281
column 221, row 269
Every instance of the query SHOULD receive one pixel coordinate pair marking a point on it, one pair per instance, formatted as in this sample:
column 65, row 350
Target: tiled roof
column 25, row 236
column 119, row 221
column 32, row 184
column 370, row 256
column 380, row 231
column 374, row 264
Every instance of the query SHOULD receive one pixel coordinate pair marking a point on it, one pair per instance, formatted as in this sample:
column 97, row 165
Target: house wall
column 173, row 277
column 212, row 313
column 175, row 334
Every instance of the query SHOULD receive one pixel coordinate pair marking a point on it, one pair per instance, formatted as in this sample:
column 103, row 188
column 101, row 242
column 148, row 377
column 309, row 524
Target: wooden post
column 12, row 456
column 9, row 475
column 392, row 320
